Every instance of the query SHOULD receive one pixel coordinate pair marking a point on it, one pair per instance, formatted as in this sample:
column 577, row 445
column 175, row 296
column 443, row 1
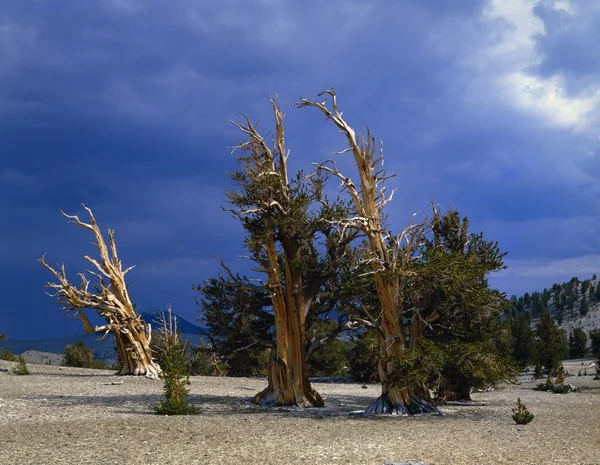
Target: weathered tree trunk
column 133, row 350
column 288, row 382
column 369, row 200
column 112, row 302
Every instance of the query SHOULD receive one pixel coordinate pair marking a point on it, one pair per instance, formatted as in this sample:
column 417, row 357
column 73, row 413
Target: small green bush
column 521, row 415
column 175, row 371
column 80, row 356
column 556, row 388
column 7, row 355
column 21, row 367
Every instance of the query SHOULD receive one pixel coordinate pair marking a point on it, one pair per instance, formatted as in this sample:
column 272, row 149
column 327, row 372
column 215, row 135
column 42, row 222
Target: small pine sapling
column 21, row 367
column 175, row 372
column 521, row 415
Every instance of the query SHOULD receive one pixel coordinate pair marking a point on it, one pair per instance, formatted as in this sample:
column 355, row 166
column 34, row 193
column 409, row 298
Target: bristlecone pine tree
column 521, row 415
column 111, row 301
column 282, row 220
column 369, row 199
column 175, row 370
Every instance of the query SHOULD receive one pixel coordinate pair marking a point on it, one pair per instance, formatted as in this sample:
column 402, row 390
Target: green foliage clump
column 451, row 370
column 558, row 386
column 80, row 356
column 329, row 360
column 175, row 373
column 328, row 356
column 21, row 367
column 578, row 343
column 364, row 356
column 594, row 336
column 521, row 415
column 239, row 327
column 551, row 343
column 420, row 366
column 200, row 360
column 523, row 340
column 449, row 302
column 6, row 354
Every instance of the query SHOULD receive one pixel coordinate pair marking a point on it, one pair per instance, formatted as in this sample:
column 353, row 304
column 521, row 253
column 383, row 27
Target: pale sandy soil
column 75, row 416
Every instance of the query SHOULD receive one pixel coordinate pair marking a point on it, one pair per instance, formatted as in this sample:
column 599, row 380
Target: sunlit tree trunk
column 274, row 244
column 111, row 302
column 387, row 254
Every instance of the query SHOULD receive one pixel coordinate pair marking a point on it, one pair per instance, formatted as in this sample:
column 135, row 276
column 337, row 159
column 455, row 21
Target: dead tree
column 386, row 253
column 111, row 301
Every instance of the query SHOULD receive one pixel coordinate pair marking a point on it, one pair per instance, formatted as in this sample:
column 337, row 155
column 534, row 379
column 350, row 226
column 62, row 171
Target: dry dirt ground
column 77, row 416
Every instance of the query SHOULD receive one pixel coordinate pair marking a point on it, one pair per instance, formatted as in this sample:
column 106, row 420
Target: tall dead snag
column 282, row 220
column 369, row 200
column 111, row 301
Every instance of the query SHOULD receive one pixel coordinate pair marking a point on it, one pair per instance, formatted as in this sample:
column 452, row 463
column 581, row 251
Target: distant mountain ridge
column 103, row 350
column 182, row 324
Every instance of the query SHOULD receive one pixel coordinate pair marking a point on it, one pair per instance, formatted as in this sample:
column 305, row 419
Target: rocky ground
column 60, row 415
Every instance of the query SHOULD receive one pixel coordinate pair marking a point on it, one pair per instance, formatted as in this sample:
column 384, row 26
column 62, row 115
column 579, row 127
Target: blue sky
column 490, row 107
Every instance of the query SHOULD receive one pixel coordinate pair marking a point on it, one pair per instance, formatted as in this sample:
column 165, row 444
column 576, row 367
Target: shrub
column 21, row 367
column 555, row 387
column 171, row 351
column 7, row 355
column 521, row 415
column 80, row 356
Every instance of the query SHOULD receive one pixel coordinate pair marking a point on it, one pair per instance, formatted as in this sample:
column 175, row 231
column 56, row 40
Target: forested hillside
column 560, row 322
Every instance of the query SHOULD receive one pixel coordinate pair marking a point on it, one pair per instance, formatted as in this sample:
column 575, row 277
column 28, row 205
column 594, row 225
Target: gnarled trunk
column 394, row 399
column 133, row 350
column 277, row 250
column 288, row 382
column 387, row 254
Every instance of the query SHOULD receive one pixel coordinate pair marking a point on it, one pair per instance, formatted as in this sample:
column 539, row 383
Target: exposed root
column 415, row 406
column 268, row 398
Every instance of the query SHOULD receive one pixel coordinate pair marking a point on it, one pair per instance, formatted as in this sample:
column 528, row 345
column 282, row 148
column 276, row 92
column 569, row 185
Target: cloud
column 537, row 274
column 528, row 60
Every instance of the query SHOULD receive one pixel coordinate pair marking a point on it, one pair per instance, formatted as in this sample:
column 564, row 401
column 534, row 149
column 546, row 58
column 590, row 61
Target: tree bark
column 288, row 382
column 112, row 303
column 369, row 200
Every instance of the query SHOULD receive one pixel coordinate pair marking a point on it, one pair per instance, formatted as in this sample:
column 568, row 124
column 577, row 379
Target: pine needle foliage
column 521, row 415
column 21, row 367
column 175, row 372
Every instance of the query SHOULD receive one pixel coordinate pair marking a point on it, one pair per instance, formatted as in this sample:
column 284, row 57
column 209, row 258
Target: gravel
column 60, row 415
